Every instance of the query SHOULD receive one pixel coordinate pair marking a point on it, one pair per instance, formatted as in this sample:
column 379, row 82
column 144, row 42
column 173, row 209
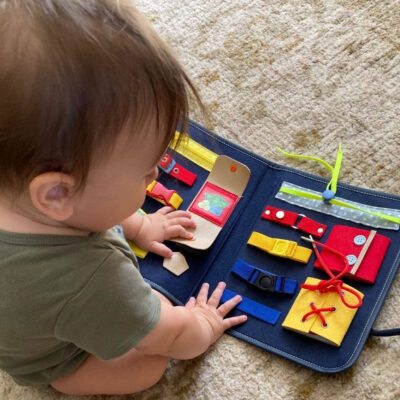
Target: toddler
column 89, row 100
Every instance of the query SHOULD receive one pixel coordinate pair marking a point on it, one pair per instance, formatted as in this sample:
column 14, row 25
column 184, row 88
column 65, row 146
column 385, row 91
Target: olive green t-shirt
column 63, row 297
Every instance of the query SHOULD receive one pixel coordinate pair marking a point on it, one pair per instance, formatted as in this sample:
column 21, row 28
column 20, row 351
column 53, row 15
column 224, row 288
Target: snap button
column 352, row 259
column 280, row 214
column 359, row 240
column 267, row 212
column 320, row 230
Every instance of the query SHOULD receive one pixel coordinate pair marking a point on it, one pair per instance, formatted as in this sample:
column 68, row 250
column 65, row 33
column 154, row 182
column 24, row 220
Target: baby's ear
column 52, row 193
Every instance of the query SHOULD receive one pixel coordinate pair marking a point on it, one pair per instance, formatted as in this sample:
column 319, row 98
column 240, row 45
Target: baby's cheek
column 153, row 175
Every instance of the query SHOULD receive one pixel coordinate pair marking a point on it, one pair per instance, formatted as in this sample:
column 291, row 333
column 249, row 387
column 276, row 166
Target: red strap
column 170, row 166
column 280, row 216
column 183, row 174
column 311, row 227
column 289, row 218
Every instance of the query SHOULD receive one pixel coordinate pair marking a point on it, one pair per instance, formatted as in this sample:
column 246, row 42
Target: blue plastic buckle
column 264, row 280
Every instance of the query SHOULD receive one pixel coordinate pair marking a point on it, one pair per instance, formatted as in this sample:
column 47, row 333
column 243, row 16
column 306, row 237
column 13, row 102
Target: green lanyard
column 329, row 193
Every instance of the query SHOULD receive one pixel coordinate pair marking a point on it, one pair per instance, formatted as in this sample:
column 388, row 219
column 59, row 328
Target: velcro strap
column 253, row 308
column 280, row 216
column 311, row 227
column 289, row 218
column 171, row 167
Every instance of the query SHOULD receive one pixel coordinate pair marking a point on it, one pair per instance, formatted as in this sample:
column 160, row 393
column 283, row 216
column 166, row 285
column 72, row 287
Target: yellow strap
column 138, row 251
column 280, row 247
column 195, row 152
column 176, row 200
column 151, row 185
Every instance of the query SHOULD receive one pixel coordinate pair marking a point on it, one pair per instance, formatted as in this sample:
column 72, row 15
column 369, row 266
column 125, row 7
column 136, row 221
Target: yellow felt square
column 338, row 321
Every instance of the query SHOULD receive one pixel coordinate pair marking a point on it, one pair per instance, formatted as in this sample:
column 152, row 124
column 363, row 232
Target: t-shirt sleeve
column 113, row 311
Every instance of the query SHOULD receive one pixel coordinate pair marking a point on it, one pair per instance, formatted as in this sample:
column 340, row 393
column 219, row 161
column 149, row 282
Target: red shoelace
column 331, row 285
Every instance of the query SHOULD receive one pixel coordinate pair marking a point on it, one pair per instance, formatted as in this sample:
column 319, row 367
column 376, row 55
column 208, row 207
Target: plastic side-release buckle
column 283, row 248
column 264, row 281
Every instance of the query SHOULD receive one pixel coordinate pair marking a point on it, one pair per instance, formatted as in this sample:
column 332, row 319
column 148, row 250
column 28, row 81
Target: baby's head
column 90, row 98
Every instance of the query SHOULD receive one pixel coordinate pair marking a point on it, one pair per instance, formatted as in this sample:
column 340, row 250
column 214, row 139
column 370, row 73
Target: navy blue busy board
column 296, row 308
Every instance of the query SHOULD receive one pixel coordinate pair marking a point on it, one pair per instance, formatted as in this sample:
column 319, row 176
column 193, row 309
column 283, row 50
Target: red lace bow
column 331, row 285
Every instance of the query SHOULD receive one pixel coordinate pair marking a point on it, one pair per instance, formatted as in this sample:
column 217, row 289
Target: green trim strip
column 338, row 203
column 365, row 214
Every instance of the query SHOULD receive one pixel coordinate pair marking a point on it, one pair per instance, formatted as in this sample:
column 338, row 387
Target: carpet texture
column 300, row 75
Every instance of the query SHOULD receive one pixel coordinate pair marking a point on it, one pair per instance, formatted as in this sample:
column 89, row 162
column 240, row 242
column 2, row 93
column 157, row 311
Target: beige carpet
column 301, row 75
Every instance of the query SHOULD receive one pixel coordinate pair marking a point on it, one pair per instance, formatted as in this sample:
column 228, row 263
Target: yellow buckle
column 283, row 248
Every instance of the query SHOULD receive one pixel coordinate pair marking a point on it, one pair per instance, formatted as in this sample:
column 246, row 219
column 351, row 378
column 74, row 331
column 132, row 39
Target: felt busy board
column 313, row 272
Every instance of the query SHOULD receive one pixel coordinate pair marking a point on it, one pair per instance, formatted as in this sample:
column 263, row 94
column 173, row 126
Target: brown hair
column 73, row 73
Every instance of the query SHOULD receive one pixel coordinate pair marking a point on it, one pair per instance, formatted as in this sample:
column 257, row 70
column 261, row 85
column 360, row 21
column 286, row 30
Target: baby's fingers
column 179, row 214
column 165, row 210
column 228, row 306
column 191, row 303
column 233, row 321
column 182, row 221
column 215, row 298
column 178, row 231
column 160, row 249
column 203, row 294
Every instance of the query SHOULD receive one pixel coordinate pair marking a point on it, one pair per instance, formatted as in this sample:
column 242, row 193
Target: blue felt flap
column 253, row 308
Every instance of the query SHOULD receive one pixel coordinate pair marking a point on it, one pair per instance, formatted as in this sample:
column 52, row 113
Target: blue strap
column 253, row 308
column 263, row 279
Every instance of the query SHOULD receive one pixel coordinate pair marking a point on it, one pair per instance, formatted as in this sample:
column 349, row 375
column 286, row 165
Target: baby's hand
column 163, row 225
column 213, row 316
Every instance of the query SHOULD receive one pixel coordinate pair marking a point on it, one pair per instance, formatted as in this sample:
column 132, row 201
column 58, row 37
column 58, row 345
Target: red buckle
column 159, row 191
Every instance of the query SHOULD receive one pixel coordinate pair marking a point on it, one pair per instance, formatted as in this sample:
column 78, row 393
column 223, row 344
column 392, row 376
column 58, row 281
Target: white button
column 280, row 214
column 320, row 230
column 267, row 212
column 359, row 240
column 352, row 259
